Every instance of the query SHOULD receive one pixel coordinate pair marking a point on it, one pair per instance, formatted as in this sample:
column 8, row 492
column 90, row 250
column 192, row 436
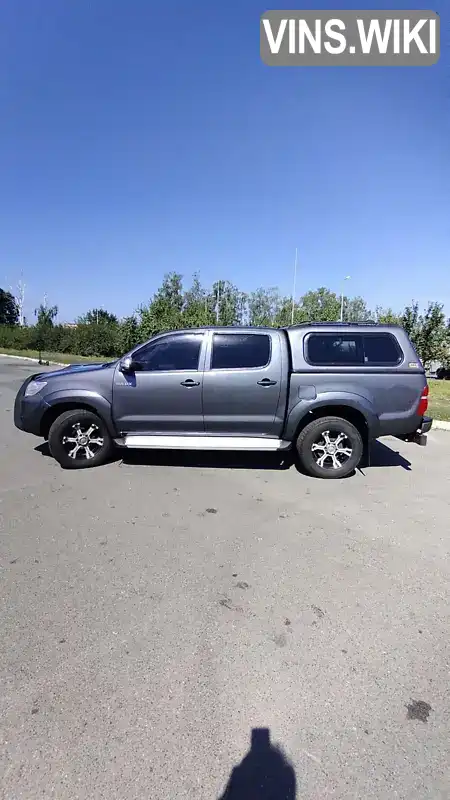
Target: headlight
column 34, row 387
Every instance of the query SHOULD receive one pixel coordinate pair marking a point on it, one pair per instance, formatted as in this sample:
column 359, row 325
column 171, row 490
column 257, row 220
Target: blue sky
column 140, row 137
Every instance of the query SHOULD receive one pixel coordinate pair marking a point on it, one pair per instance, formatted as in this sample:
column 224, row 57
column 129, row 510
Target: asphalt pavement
column 156, row 611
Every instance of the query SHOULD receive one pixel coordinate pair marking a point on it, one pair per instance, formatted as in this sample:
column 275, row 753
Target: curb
column 440, row 425
column 34, row 360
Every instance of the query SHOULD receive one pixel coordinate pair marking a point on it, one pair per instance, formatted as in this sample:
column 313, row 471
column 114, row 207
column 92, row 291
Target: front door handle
column 190, row 383
column 266, row 382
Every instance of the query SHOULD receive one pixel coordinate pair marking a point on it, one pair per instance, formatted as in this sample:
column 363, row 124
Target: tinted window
column 353, row 350
column 174, row 353
column 335, row 350
column 240, row 350
column 381, row 349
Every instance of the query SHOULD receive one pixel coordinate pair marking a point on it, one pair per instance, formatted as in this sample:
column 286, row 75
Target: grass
column 439, row 407
column 62, row 358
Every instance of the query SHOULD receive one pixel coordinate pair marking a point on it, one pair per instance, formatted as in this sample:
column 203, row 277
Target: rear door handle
column 189, row 383
column 266, row 382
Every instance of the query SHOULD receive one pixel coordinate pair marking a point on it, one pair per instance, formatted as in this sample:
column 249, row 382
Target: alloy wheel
column 82, row 442
column 331, row 450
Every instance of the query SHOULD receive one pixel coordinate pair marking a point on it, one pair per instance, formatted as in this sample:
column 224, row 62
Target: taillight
column 423, row 404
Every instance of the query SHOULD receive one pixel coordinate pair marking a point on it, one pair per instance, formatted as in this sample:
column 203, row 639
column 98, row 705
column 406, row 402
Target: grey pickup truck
column 323, row 390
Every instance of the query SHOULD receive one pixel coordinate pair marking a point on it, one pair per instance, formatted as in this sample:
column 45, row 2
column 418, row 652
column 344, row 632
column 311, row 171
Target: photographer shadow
column 263, row 774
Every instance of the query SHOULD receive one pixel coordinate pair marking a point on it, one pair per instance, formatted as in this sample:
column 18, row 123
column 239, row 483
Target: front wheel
column 330, row 447
column 79, row 439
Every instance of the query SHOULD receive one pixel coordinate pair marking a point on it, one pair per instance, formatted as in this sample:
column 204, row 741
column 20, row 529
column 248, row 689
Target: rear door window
column 240, row 350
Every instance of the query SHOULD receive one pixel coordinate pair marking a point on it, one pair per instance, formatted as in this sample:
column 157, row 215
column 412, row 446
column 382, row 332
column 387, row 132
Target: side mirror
column 127, row 365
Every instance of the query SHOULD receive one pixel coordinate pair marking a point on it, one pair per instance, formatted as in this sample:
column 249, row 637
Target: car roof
column 342, row 326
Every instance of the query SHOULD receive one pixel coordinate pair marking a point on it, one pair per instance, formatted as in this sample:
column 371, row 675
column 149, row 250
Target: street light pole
column 218, row 304
column 347, row 278
column 294, row 288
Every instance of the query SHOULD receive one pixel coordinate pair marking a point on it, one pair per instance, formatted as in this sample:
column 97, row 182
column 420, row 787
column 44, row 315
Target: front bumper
column 28, row 411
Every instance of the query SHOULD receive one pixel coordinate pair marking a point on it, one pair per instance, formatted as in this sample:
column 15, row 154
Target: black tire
column 69, row 424
column 315, row 434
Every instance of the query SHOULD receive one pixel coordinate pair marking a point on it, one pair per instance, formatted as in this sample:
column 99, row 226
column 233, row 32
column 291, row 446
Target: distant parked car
column 325, row 391
column 443, row 374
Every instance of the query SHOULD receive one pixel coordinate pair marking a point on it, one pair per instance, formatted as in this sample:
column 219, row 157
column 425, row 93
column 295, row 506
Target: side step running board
column 202, row 443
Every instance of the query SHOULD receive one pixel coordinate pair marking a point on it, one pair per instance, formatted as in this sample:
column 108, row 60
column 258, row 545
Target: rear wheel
column 79, row 439
column 330, row 447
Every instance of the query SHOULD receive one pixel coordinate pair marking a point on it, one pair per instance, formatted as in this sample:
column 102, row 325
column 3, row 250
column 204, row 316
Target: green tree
column 128, row 335
column 9, row 312
column 229, row 304
column 432, row 341
column 410, row 321
column 355, row 310
column 98, row 316
column 46, row 316
column 321, row 305
column 283, row 316
column 264, row 306
column 198, row 305
column 97, row 333
column 386, row 316
column 165, row 311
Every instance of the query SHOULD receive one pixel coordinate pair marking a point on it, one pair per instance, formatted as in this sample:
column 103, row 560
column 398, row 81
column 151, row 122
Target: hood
column 72, row 369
